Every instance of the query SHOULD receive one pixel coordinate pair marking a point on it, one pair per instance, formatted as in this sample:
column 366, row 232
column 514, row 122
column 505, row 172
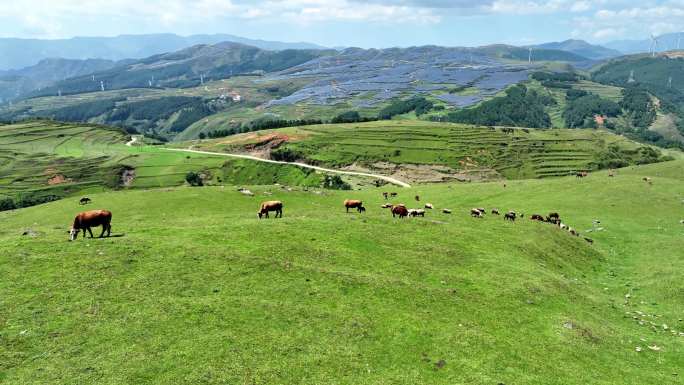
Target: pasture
column 194, row 289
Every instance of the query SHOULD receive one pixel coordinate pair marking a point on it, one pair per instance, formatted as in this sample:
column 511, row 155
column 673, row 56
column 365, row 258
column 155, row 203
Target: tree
column 194, row 179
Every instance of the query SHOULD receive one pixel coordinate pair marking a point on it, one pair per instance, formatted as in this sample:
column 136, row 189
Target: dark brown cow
column 269, row 206
column 400, row 211
column 354, row 204
column 87, row 219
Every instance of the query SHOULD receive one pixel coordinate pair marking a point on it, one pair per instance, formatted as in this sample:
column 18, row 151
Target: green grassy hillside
column 44, row 160
column 194, row 289
column 463, row 149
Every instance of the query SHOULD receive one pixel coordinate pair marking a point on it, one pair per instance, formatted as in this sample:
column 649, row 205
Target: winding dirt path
column 304, row 165
column 131, row 142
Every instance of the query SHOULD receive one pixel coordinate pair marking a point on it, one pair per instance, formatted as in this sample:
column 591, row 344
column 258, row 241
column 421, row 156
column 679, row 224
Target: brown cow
column 537, row 217
column 401, row 211
column 269, row 206
column 354, row 204
column 87, row 219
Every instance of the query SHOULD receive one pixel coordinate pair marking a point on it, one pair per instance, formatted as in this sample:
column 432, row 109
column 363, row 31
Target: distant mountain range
column 21, row 53
column 188, row 67
column 666, row 42
column 582, row 48
column 14, row 83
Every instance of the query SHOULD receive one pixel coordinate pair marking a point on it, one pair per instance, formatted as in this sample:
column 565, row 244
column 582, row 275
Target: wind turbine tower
column 529, row 58
column 669, row 82
column 102, row 87
column 631, row 77
column 654, row 45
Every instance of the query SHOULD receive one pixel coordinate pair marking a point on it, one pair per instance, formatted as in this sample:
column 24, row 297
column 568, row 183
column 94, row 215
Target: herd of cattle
column 94, row 218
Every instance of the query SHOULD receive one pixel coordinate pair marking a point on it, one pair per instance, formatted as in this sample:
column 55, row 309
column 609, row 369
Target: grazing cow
column 537, row 217
column 495, row 212
column 400, row 211
column 393, row 194
column 269, row 206
column 553, row 221
column 417, row 198
column 582, row 174
column 385, row 195
column 417, row 213
column 510, row 216
column 446, row 211
column 429, row 206
column 476, row 213
column 85, row 201
column 354, row 204
column 85, row 220
column 554, row 216
column 482, row 210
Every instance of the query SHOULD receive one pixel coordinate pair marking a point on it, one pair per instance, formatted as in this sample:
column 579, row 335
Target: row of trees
column 520, row 107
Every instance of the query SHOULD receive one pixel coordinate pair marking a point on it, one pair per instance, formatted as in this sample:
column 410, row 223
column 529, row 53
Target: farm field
column 466, row 150
column 43, row 160
column 193, row 288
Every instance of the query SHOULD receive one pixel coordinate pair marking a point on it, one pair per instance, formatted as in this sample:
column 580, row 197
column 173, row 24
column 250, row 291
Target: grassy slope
column 198, row 291
column 537, row 153
column 33, row 152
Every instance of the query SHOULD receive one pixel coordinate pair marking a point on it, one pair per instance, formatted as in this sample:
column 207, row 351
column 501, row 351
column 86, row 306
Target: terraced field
column 464, row 149
column 44, row 160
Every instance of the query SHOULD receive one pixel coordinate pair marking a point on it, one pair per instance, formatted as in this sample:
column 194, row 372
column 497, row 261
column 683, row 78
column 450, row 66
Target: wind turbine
column 631, row 77
column 669, row 82
column 102, row 87
column 529, row 59
column 654, row 45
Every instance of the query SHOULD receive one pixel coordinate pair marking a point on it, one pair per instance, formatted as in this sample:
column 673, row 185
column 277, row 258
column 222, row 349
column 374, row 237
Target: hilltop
column 194, row 288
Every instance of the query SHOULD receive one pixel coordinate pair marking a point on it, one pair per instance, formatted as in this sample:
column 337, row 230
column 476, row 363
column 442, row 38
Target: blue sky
column 371, row 23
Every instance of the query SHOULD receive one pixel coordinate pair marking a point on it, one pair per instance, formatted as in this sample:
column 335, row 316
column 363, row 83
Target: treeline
column 640, row 106
column 582, row 107
column 154, row 109
column 26, row 201
column 562, row 80
column 81, row 112
column 418, row 104
column 520, row 107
